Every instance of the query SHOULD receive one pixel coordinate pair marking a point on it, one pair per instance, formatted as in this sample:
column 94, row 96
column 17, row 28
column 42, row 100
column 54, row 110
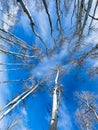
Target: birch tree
column 12, row 104
column 87, row 114
column 56, row 100
column 69, row 23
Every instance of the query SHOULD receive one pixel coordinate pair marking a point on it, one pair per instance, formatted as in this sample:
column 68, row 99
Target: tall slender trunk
column 55, row 104
column 17, row 100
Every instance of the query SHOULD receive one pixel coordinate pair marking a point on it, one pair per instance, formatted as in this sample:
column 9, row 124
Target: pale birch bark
column 15, row 102
column 54, row 116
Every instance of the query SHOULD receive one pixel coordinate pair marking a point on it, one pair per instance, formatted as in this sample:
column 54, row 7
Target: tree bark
column 54, row 116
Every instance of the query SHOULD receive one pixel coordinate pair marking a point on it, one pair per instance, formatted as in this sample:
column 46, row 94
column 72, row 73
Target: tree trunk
column 56, row 94
column 54, row 118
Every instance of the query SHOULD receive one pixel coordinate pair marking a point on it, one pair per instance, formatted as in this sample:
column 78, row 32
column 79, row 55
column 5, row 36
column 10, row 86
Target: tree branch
column 24, row 7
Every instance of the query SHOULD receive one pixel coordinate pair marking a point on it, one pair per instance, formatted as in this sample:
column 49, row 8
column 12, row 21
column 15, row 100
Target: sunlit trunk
column 56, row 97
column 54, row 118
column 17, row 100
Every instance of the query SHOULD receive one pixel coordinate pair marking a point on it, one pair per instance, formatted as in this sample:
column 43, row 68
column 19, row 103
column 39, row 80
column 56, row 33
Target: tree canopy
column 48, row 52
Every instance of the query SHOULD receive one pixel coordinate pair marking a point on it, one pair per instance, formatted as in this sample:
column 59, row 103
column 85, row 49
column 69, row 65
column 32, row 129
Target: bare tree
column 56, row 100
column 12, row 104
column 86, row 114
column 24, row 55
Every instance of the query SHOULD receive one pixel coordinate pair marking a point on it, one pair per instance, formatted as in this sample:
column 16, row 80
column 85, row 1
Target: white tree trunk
column 18, row 101
column 54, row 117
column 53, row 123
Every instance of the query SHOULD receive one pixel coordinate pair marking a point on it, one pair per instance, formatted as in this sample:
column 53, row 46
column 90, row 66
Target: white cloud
column 65, row 119
column 23, row 111
column 48, row 64
column 43, row 23
column 4, row 91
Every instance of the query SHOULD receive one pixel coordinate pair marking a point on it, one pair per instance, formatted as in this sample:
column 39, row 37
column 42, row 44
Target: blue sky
column 34, row 112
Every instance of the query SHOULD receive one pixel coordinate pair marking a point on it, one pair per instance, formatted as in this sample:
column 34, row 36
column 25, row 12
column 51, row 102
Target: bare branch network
column 62, row 45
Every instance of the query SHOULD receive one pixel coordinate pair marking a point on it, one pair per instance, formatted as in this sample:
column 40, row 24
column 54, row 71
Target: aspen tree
column 55, row 103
